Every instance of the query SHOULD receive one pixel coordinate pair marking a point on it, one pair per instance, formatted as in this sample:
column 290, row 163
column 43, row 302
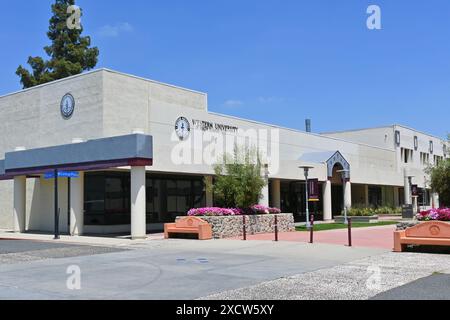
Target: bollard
column 57, row 237
column 311, row 230
column 244, row 231
column 349, row 232
column 276, row 228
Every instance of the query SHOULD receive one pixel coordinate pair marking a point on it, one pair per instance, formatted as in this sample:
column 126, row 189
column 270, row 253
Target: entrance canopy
column 331, row 158
column 128, row 150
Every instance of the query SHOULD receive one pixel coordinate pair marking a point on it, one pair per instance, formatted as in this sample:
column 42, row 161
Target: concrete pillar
column 276, row 193
column 327, row 211
column 435, row 203
column 264, row 201
column 348, row 195
column 209, row 193
column 77, row 205
column 138, row 203
column 20, row 196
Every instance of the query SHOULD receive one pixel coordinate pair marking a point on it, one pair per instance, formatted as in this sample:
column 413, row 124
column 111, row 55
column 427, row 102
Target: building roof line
column 95, row 71
column 300, row 131
column 384, row 127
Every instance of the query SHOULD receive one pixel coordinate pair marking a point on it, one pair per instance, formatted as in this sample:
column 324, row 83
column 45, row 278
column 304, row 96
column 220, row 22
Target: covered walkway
column 71, row 161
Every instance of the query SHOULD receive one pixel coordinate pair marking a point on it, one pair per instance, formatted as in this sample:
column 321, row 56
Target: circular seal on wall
column 182, row 128
column 67, row 106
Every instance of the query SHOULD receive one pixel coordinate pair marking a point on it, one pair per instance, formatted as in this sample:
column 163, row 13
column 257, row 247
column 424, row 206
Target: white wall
column 110, row 104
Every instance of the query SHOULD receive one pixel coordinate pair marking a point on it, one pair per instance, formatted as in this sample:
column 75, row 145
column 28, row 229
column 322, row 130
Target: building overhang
column 121, row 151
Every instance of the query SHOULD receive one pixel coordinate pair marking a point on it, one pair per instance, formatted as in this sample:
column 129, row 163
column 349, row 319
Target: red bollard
column 349, row 232
column 312, row 230
column 244, row 227
column 276, row 228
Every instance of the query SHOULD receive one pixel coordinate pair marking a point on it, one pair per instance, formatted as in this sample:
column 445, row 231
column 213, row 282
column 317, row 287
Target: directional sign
column 62, row 174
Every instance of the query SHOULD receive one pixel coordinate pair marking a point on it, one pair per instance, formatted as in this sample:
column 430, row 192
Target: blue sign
column 62, row 174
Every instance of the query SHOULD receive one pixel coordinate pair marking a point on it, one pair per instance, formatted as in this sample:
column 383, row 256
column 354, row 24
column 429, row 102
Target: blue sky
column 272, row 61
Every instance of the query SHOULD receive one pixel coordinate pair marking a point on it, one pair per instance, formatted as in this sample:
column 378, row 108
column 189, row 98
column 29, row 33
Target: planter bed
column 232, row 226
column 363, row 219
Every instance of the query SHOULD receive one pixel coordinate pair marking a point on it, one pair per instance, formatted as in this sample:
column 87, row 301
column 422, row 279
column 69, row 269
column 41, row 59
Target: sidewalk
column 84, row 240
column 371, row 237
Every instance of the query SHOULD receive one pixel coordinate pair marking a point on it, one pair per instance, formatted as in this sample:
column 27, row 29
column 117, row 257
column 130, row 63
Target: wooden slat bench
column 431, row 233
column 189, row 225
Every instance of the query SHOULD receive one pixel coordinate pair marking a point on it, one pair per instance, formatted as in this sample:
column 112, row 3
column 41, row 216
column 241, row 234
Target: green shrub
column 360, row 210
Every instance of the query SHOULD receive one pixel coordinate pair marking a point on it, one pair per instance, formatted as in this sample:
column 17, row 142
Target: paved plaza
column 220, row 269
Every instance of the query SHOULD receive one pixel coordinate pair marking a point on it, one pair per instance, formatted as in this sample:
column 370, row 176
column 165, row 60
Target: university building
column 115, row 153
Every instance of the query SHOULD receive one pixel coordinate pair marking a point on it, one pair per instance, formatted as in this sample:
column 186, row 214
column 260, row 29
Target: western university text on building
column 121, row 134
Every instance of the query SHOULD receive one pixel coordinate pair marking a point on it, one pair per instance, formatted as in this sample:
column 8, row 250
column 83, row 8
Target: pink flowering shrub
column 442, row 214
column 214, row 212
column 220, row 212
column 259, row 209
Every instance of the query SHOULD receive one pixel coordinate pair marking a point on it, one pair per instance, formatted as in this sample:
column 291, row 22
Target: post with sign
column 313, row 188
column 314, row 193
column 55, row 174
column 56, row 205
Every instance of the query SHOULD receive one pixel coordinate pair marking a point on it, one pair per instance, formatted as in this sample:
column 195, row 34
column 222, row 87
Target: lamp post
column 410, row 199
column 306, row 173
column 344, row 177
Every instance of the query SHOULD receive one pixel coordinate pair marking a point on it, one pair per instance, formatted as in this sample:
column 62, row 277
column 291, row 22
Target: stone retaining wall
column 232, row 226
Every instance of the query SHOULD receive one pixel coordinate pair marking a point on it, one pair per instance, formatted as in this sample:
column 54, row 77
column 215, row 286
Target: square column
column 276, row 193
column 20, row 195
column 138, row 204
column 327, row 210
column 264, row 201
column 77, row 205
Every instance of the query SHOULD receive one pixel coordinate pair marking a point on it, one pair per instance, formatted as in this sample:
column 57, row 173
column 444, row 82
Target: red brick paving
column 373, row 237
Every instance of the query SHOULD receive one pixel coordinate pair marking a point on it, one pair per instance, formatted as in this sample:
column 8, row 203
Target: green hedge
column 360, row 211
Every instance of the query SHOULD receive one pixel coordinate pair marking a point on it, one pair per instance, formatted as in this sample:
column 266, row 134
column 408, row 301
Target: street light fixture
column 306, row 173
column 344, row 176
column 410, row 189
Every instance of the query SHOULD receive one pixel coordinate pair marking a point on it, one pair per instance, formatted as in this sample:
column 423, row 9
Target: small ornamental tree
column 440, row 180
column 70, row 53
column 238, row 182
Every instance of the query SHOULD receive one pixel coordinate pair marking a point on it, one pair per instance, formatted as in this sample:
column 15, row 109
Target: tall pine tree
column 69, row 53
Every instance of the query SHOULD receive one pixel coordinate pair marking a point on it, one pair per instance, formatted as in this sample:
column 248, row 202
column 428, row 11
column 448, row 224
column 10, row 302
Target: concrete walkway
column 168, row 269
column 84, row 240
column 372, row 237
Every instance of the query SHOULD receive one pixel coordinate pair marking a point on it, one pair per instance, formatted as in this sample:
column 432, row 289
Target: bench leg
column 398, row 246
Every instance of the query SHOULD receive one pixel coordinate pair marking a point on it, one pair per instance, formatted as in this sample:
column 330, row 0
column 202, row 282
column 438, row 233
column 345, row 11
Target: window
column 438, row 159
column 424, row 197
column 431, row 147
column 108, row 197
column 407, row 155
column 416, row 143
column 397, row 138
column 424, row 159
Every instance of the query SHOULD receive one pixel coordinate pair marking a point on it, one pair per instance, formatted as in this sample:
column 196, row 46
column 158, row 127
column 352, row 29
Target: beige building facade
column 187, row 140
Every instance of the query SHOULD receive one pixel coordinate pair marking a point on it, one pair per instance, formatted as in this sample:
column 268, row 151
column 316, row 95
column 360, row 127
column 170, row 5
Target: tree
column 238, row 182
column 440, row 180
column 69, row 53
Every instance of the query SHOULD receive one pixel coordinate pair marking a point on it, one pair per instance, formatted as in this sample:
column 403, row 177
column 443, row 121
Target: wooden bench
column 189, row 225
column 431, row 233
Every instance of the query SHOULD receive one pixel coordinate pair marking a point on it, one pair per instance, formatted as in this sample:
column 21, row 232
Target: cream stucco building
column 139, row 152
